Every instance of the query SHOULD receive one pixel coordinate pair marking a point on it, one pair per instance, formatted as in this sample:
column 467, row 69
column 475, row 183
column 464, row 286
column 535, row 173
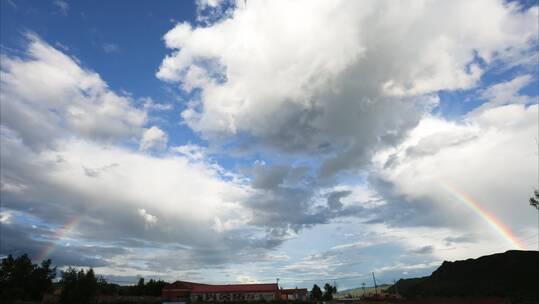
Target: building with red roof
column 198, row 292
column 294, row 294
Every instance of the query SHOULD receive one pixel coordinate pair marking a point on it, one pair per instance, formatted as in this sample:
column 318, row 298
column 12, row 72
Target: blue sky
column 106, row 38
column 224, row 141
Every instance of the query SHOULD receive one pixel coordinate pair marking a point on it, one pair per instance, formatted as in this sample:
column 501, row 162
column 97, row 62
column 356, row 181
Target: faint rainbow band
column 65, row 230
column 473, row 205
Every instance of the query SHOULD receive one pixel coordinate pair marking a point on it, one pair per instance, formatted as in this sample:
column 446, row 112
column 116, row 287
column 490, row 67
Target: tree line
column 21, row 280
column 327, row 295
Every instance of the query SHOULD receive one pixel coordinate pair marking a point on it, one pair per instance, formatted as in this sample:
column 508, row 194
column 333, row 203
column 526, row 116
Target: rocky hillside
column 513, row 274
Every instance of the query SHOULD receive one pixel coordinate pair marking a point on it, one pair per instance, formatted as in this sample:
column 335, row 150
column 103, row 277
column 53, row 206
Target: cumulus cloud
column 357, row 87
column 18, row 239
column 149, row 220
column 75, row 165
column 70, row 162
column 350, row 89
column 412, row 177
column 268, row 177
column 153, row 138
column 48, row 95
column 334, row 199
column 179, row 194
column 208, row 3
column 507, row 92
column 191, row 151
column 5, row 217
column 209, row 11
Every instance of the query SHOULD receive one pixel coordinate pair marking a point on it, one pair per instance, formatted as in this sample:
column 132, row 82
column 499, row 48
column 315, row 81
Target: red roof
column 197, row 287
column 236, row 288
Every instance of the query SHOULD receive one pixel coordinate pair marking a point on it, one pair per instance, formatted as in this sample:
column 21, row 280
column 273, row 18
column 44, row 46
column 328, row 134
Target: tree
column 151, row 288
column 316, row 293
column 154, row 288
column 90, row 283
column 106, row 288
column 329, row 291
column 20, row 279
column 78, row 286
column 140, row 287
column 42, row 279
column 534, row 202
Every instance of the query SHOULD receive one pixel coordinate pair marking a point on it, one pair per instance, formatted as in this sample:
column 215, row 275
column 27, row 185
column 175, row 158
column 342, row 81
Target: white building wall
column 233, row 296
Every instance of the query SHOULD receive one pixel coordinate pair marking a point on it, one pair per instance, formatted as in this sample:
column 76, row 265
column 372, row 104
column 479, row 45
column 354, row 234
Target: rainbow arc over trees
column 492, row 221
column 60, row 234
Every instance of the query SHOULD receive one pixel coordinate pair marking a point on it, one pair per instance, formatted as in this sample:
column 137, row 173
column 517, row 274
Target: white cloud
column 110, row 47
column 491, row 156
column 191, row 151
column 405, row 267
column 153, row 138
column 507, row 92
column 182, row 195
column 62, row 151
column 208, row 3
column 150, row 104
column 63, row 6
column 5, row 217
column 348, row 80
column 48, row 95
column 12, row 187
column 360, row 244
column 334, row 82
column 149, row 220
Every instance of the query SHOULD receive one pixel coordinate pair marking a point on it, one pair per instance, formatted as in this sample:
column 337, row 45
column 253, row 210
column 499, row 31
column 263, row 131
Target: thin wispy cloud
column 110, row 48
column 62, row 6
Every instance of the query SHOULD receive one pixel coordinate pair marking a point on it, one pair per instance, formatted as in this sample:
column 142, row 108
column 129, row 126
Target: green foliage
column 139, row 288
column 105, row 288
column 20, row 279
column 78, row 286
column 329, row 291
column 152, row 288
column 316, row 293
column 534, row 200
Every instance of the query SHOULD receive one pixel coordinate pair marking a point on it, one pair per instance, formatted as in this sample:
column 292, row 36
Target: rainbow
column 60, row 234
column 493, row 222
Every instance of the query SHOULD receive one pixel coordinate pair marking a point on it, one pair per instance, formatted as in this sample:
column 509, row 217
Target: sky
column 225, row 141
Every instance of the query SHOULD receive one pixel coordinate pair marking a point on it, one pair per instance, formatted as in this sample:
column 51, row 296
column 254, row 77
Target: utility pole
column 375, row 287
column 534, row 202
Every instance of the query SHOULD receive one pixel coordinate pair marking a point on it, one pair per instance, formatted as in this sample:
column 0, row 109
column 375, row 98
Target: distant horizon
column 327, row 280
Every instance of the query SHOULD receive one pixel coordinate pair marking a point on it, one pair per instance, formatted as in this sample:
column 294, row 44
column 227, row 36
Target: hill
column 513, row 274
